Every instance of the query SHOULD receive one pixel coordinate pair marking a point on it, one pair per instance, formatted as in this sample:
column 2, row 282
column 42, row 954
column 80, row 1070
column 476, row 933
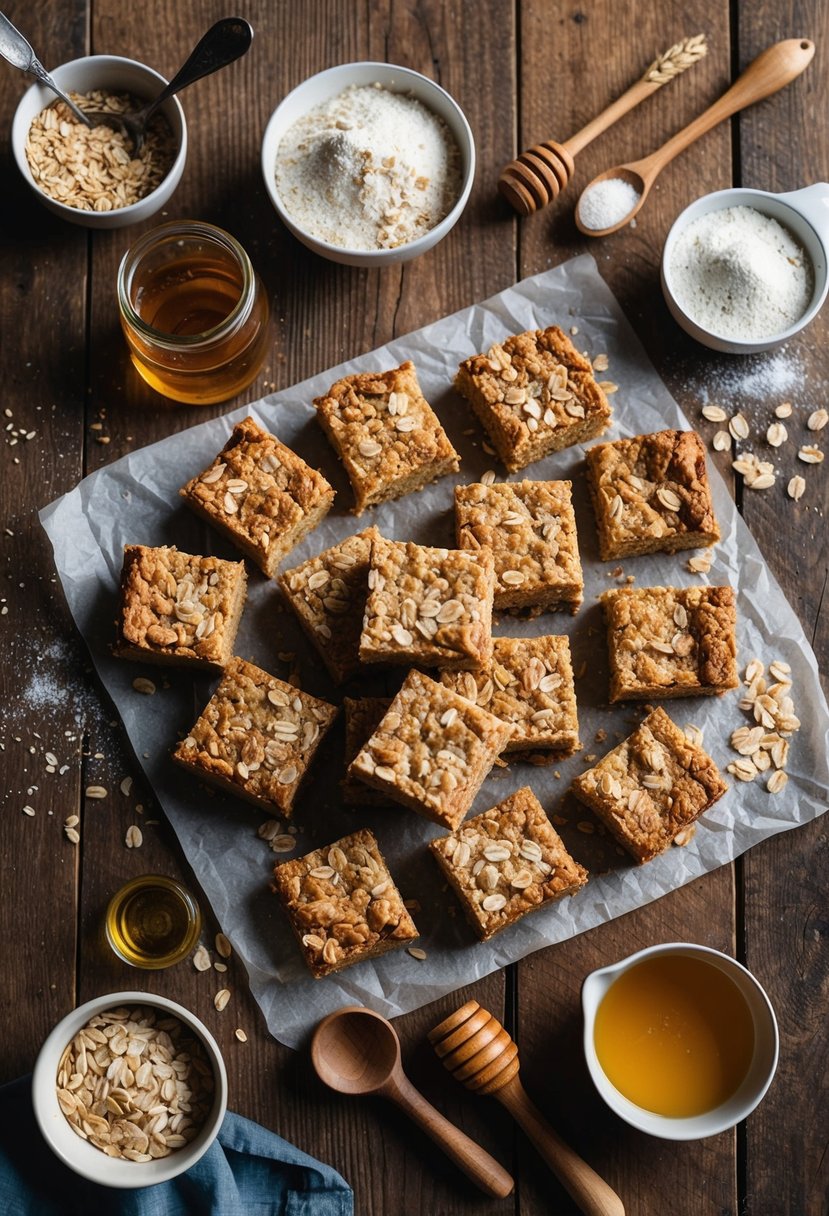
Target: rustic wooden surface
column 522, row 71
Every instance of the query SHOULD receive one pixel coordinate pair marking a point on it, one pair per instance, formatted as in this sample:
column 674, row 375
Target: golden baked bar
column 506, row 862
column 362, row 717
column 534, row 394
column 651, row 494
column 260, row 495
column 531, row 529
column 328, row 594
column 342, row 904
column 386, row 434
column 177, row 608
column 432, row 607
column 650, row 787
column 530, row 685
column 256, row 737
column 670, row 641
column 431, row 751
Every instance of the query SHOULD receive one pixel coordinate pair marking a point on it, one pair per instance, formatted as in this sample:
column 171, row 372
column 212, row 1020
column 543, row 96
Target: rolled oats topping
column 531, row 529
column 535, row 394
column 328, row 594
column 343, row 904
column 178, row 608
column 386, row 434
column 428, row 606
column 256, row 736
column 431, row 750
column 260, row 495
column 506, row 862
column 135, row 1085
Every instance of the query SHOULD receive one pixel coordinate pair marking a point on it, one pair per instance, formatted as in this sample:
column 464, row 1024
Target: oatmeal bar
column 670, row 641
column 256, row 737
column 362, row 717
column 506, row 862
column 651, row 786
column 531, row 529
column 178, row 608
column 432, row 607
column 651, row 495
column 534, row 394
column 260, row 495
column 328, row 594
column 432, row 750
column 386, row 434
column 342, row 904
column 530, row 685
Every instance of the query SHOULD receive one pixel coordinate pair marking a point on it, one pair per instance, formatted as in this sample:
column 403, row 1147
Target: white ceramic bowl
column 804, row 212
column 85, row 1158
column 117, row 75
column 330, row 83
column 753, row 1086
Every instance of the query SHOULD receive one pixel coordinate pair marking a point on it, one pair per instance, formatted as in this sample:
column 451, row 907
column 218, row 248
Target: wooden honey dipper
column 537, row 176
column 478, row 1051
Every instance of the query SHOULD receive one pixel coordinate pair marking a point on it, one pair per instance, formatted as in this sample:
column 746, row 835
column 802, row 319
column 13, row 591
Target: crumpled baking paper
column 135, row 500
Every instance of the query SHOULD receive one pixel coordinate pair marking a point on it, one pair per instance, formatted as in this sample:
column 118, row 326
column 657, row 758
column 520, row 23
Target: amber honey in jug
column 193, row 312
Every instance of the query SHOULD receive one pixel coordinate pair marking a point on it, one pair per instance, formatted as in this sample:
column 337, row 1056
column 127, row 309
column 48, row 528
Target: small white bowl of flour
column 745, row 270
column 368, row 164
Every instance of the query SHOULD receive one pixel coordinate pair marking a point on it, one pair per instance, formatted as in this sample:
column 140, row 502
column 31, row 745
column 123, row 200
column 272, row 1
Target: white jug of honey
column 681, row 1041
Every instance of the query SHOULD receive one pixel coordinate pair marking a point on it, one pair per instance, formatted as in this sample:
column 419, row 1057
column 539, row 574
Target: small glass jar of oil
column 152, row 922
column 193, row 311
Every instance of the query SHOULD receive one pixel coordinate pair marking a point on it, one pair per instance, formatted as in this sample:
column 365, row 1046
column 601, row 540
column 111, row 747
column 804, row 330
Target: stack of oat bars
column 466, row 701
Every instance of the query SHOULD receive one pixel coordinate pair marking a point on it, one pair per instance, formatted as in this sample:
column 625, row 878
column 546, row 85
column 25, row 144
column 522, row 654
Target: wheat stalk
column 681, row 55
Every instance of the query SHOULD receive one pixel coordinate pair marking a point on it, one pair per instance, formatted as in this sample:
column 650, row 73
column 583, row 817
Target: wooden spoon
column 776, row 67
column 357, row 1051
column 477, row 1050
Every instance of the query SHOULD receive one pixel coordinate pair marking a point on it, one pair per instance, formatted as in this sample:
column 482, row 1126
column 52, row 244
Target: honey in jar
column 675, row 1035
column 152, row 922
column 193, row 312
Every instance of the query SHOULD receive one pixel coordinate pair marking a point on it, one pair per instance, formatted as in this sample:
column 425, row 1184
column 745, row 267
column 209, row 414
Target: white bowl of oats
column 129, row 1089
column 368, row 164
column 90, row 177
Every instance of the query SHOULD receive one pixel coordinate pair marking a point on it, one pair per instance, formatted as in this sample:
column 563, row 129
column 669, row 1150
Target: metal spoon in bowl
column 223, row 43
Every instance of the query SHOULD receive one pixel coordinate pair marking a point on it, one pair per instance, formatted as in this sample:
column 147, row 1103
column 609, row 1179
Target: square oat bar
column 534, row 394
column 342, row 904
column 507, row 862
column 651, row 494
column 650, row 787
column 256, row 737
column 386, row 434
column 670, row 641
column 430, row 607
column 260, row 495
column 529, row 684
column 431, row 751
column 531, row 529
column 177, row 608
column 328, row 595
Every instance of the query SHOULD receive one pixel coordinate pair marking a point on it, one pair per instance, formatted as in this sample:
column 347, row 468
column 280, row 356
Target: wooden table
column 522, row 71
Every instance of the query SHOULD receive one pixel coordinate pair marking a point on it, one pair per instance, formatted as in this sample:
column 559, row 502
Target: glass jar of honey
column 152, row 922
column 193, row 311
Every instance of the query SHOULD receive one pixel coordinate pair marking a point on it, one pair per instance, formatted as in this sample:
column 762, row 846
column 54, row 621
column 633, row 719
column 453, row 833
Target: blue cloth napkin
column 247, row 1171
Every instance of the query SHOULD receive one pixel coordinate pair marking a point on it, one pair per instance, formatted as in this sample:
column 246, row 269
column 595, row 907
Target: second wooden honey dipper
column 478, row 1051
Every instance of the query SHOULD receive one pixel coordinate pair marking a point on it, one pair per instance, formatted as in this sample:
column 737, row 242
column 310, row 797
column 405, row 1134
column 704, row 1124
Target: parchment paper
column 135, row 501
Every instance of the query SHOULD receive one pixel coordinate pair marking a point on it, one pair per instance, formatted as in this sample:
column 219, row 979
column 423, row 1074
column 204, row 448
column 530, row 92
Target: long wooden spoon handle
column 583, row 1184
column 475, row 1161
column 630, row 98
column 771, row 71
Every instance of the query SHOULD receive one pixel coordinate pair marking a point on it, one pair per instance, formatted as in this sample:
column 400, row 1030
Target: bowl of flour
column 368, row 164
column 745, row 270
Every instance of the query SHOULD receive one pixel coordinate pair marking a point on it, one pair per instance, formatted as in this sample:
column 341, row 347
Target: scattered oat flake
column 126, row 786
column 784, row 409
column 283, row 844
column 220, row 967
column 777, row 434
column 809, row 454
column 221, row 999
column 143, row 685
column 488, row 477
column 71, row 821
column 714, row 413
column 776, row 781
column 73, row 835
column 817, row 420
column 796, row 487
column 201, row 959
column 29, row 810
column 416, row 952
column 95, row 791
column 223, row 946
column 240, row 1035
column 134, row 837
column 738, row 426
column 721, row 441
column 700, row 563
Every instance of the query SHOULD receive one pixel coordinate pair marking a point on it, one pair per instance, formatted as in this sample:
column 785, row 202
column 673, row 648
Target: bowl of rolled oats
column 90, row 176
column 129, row 1089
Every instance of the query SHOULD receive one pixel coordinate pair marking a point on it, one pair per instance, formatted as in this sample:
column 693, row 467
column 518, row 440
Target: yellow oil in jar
column 674, row 1035
column 152, row 922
